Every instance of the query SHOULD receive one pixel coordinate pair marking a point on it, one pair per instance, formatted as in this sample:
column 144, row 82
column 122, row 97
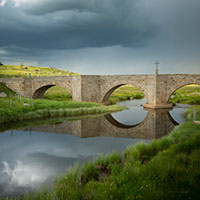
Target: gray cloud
column 75, row 24
column 103, row 35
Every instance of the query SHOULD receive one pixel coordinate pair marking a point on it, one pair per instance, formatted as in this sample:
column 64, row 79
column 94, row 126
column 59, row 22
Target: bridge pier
column 158, row 106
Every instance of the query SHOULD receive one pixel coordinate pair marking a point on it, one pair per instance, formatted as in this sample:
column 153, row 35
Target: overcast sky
column 102, row 36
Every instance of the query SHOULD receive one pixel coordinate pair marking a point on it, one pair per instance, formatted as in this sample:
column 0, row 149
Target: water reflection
column 32, row 156
column 178, row 111
column 29, row 161
column 135, row 113
column 157, row 123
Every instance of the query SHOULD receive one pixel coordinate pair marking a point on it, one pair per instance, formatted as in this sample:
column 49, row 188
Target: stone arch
column 110, row 89
column 40, row 91
column 7, row 89
column 172, row 119
column 109, row 92
column 173, row 89
column 114, row 122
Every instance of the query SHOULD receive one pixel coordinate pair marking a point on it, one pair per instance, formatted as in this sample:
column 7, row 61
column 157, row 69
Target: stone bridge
column 157, row 123
column 157, row 88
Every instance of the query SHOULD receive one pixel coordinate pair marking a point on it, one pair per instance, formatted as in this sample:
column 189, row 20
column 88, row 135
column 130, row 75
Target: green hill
column 22, row 71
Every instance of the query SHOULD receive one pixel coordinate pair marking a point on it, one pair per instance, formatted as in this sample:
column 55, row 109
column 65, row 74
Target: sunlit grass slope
column 187, row 95
column 21, row 71
column 58, row 93
column 124, row 93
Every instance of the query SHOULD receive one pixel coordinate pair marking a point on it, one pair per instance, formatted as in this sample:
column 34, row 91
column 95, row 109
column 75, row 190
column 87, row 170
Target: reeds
column 36, row 109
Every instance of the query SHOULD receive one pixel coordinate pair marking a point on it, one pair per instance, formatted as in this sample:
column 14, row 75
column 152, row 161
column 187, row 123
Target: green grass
column 23, row 71
column 187, row 95
column 58, row 93
column 188, row 114
column 124, row 93
column 41, row 108
column 166, row 169
column 45, row 121
column 6, row 90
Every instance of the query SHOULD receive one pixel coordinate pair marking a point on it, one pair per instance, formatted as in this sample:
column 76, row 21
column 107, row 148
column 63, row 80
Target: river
column 32, row 156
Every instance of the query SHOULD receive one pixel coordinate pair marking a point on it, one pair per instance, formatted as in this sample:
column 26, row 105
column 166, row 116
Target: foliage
column 58, row 93
column 6, row 90
column 124, row 93
column 188, row 114
column 189, row 94
column 25, row 108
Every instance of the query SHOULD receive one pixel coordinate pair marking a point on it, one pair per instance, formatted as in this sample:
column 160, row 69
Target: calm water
column 32, row 157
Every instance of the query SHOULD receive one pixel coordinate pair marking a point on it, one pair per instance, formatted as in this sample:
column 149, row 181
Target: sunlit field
column 21, row 71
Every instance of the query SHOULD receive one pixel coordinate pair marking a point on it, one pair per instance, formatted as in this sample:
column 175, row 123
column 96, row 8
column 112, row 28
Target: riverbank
column 19, row 108
column 187, row 95
column 190, row 112
column 167, row 168
column 126, row 92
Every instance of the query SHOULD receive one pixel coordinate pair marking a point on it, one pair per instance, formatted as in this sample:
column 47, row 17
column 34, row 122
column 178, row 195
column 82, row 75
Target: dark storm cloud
column 49, row 6
column 75, row 24
column 100, row 33
column 68, row 24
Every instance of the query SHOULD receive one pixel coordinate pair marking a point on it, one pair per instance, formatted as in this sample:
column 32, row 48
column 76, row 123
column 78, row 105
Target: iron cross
column 156, row 63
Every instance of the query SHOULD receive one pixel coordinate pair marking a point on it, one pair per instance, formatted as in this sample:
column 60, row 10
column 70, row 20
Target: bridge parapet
column 157, row 88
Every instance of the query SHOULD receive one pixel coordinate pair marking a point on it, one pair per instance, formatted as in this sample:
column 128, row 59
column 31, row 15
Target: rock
column 26, row 104
column 3, row 94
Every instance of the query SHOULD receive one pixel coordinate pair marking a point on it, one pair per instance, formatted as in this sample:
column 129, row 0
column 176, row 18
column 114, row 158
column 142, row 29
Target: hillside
column 21, row 71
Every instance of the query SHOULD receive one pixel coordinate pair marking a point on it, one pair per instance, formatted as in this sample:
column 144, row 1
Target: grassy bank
column 124, row 93
column 190, row 111
column 57, row 93
column 167, row 168
column 187, row 95
column 26, row 109
column 44, row 121
column 22, row 71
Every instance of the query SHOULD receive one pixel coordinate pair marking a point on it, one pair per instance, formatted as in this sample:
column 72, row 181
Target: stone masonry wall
column 156, row 88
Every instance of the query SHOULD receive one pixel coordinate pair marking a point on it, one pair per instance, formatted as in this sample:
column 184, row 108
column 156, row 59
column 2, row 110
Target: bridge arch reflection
column 158, row 122
column 116, row 123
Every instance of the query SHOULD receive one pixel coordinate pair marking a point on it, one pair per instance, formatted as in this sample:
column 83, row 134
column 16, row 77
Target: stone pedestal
column 158, row 106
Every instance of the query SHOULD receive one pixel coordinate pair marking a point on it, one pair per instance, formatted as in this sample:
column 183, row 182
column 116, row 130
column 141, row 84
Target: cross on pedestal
column 156, row 63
